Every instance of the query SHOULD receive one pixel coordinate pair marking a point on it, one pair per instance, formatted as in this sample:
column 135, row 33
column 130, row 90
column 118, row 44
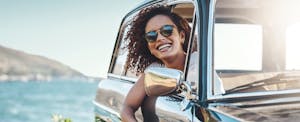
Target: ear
column 182, row 37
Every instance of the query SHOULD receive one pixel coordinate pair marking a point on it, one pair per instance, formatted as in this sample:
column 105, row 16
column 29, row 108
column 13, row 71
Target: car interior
column 262, row 23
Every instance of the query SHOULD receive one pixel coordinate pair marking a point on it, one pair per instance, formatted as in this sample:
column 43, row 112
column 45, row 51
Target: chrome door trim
column 106, row 108
column 257, row 95
column 129, row 78
column 126, row 78
column 212, row 108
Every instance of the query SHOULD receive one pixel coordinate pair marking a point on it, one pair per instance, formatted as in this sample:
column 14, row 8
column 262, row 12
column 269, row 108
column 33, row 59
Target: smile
column 164, row 47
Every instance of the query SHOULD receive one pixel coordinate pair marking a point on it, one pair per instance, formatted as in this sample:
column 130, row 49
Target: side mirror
column 166, row 81
column 162, row 81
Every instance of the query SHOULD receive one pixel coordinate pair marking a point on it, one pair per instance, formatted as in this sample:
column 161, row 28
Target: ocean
column 38, row 101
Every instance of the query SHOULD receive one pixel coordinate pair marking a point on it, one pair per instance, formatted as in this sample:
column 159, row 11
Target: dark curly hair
column 139, row 56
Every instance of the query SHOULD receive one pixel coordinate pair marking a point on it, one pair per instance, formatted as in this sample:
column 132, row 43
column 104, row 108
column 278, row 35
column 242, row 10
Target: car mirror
column 162, row 81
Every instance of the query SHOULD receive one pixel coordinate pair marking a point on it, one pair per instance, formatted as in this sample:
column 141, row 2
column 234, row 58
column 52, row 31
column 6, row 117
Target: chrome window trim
column 210, row 50
column 169, row 2
column 197, row 25
column 111, row 75
column 116, row 48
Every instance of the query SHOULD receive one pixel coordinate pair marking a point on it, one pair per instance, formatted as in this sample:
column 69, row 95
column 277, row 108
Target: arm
column 133, row 100
column 148, row 109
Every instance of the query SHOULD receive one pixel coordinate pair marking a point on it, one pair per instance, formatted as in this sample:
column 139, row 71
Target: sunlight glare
column 293, row 47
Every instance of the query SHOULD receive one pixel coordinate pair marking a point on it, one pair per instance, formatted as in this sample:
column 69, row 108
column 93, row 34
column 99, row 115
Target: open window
column 255, row 45
column 119, row 57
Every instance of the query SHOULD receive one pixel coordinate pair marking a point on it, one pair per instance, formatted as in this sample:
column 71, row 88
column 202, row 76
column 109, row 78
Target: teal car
column 247, row 65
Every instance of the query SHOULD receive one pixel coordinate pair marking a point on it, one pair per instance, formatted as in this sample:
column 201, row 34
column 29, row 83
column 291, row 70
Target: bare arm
column 133, row 100
column 148, row 109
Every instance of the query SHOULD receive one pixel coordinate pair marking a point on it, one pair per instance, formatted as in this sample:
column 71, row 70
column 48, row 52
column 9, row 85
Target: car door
column 112, row 90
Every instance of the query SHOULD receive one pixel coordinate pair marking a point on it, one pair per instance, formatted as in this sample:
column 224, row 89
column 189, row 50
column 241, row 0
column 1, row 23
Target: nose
column 160, row 37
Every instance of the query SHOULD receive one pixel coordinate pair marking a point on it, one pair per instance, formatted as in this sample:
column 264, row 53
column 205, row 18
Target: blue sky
column 78, row 33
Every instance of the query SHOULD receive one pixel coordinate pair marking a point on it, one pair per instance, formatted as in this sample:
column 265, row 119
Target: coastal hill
column 20, row 66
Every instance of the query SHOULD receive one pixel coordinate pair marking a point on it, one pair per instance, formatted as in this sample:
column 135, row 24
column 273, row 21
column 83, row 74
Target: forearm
column 148, row 109
column 127, row 114
column 133, row 101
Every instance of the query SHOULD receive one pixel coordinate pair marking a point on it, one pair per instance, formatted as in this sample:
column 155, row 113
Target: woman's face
column 165, row 48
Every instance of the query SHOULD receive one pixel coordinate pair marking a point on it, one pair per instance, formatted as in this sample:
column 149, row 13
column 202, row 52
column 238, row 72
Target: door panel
column 110, row 96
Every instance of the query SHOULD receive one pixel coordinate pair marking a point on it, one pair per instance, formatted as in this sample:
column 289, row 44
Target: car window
column 118, row 63
column 255, row 49
column 193, row 63
column 120, row 53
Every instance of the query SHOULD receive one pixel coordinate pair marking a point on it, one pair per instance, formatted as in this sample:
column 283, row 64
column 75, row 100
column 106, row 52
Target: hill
column 20, row 66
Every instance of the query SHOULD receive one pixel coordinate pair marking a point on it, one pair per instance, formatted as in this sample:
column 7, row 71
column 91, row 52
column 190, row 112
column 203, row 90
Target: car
column 247, row 65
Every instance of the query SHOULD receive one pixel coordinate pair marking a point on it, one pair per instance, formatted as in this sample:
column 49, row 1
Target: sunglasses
column 165, row 31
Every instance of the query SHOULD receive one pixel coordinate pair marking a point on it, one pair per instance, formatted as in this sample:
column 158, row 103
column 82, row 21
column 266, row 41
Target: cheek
column 151, row 47
column 178, row 40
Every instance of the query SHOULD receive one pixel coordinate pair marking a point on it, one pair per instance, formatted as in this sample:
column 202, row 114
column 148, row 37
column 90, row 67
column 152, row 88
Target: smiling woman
column 164, row 42
column 155, row 36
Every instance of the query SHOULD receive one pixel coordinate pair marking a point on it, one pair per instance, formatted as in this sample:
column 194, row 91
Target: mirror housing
column 166, row 81
column 162, row 81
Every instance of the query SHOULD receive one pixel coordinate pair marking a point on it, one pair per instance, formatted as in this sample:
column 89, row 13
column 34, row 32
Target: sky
column 78, row 33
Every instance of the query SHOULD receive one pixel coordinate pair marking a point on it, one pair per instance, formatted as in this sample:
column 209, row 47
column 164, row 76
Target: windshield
column 256, row 45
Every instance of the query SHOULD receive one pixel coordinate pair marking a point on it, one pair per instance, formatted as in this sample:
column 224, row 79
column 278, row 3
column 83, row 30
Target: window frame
column 122, row 28
column 234, row 97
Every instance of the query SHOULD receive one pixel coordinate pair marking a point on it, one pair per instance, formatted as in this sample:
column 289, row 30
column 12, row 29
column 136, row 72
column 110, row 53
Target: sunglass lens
column 151, row 36
column 166, row 30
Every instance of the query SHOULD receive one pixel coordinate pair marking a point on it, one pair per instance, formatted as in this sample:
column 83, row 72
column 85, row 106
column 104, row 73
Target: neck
column 178, row 63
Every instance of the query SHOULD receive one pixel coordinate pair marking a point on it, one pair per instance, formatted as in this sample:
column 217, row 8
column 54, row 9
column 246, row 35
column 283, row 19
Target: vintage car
column 247, row 65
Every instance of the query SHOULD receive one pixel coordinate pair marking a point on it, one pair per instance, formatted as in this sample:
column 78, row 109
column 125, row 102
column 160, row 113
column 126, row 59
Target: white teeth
column 161, row 47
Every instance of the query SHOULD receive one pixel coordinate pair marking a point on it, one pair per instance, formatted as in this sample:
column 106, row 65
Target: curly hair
column 139, row 56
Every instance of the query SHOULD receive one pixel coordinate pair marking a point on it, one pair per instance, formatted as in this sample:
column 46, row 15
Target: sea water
column 37, row 101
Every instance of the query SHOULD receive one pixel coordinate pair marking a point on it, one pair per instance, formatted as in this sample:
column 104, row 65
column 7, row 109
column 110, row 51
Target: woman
column 156, row 36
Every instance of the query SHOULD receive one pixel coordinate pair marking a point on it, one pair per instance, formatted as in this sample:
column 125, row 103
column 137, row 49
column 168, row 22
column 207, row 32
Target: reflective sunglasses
column 165, row 31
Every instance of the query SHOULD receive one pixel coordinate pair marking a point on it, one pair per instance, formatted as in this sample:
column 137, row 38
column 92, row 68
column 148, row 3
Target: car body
column 247, row 48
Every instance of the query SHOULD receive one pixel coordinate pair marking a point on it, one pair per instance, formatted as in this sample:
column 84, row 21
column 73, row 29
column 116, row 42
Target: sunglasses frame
column 161, row 30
